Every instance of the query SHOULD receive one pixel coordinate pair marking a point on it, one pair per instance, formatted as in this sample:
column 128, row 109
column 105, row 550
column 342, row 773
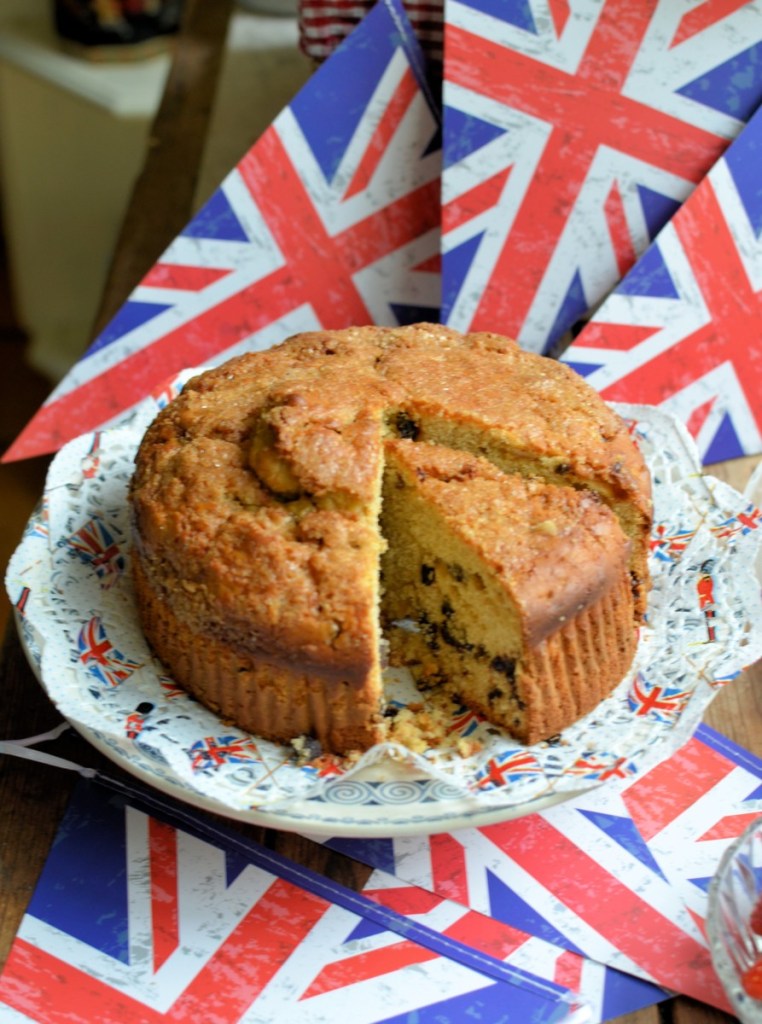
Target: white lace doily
column 71, row 584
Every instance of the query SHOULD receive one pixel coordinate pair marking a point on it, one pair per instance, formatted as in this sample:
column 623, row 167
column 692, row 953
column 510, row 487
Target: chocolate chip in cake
column 430, row 631
column 407, row 427
column 505, row 666
column 428, row 575
column 453, row 641
column 457, row 572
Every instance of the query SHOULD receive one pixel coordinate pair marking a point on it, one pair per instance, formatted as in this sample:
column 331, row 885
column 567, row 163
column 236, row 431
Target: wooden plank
column 32, row 799
column 649, row 1015
column 737, row 710
column 686, row 1011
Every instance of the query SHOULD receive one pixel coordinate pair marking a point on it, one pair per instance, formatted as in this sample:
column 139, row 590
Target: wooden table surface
column 33, row 796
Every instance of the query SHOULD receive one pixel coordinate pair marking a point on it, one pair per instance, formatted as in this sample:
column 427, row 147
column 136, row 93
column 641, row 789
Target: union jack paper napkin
column 567, row 146
column 618, row 874
column 572, row 139
column 606, row 992
column 145, row 915
column 331, row 219
column 683, row 330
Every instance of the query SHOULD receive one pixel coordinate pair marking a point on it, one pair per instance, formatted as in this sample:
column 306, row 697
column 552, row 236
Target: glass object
column 734, row 923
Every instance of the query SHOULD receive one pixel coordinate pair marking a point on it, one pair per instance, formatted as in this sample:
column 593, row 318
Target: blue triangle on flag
column 755, row 794
column 379, row 853
column 724, row 444
column 583, row 369
column 131, row 315
column 507, row 906
column 657, row 209
column 574, row 306
column 743, row 161
column 701, row 883
column 414, row 314
column 455, row 266
column 330, row 106
column 234, row 864
column 650, row 276
column 732, row 87
column 365, row 928
column 216, row 219
column 87, row 867
column 624, row 832
column 622, row 994
column 515, row 12
column 464, row 134
column 435, row 142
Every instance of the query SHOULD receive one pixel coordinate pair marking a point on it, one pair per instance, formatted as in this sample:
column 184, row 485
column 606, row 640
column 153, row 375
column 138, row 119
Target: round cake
column 442, row 501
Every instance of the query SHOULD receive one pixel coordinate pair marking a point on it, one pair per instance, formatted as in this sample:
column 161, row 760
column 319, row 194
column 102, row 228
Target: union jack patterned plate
column 70, row 583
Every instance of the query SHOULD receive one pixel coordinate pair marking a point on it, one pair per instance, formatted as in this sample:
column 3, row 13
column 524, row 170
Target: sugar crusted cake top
column 256, row 492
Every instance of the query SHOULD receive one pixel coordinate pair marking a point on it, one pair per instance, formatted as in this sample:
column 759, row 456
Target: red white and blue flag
column 97, row 546
column 572, row 133
column 145, row 917
column 95, row 650
column 331, row 219
column 605, row 993
column 682, row 330
column 148, row 912
column 619, row 874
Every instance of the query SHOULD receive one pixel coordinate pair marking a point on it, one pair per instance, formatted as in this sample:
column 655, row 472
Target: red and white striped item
column 323, row 25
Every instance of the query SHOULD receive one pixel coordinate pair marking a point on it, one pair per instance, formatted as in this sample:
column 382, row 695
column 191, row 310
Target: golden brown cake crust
column 256, row 493
column 271, row 699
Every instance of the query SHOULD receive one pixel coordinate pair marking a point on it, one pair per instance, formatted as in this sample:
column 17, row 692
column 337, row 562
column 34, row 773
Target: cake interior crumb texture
column 475, row 555
column 467, row 510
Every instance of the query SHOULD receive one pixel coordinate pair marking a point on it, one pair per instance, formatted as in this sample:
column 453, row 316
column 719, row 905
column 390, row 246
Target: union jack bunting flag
column 670, row 547
column 572, row 140
column 742, row 523
column 147, row 917
column 331, row 219
column 619, row 874
column 682, row 330
column 502, row 768
column 95, row 545
column 216, row 750
column 99, row 656
column 660, row 702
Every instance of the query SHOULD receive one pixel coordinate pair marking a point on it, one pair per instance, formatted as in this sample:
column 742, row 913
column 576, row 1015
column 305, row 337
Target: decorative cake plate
column 70, row 582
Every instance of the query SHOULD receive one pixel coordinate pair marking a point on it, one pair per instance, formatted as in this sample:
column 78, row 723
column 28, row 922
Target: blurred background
column 78, row 91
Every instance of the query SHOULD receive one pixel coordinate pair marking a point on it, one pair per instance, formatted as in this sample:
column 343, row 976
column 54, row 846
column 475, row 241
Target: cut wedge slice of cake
column 518, row 591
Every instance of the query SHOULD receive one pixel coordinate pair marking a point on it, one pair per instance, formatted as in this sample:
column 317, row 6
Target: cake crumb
column 421, row 727
column 306, row 749
column 467, row 747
